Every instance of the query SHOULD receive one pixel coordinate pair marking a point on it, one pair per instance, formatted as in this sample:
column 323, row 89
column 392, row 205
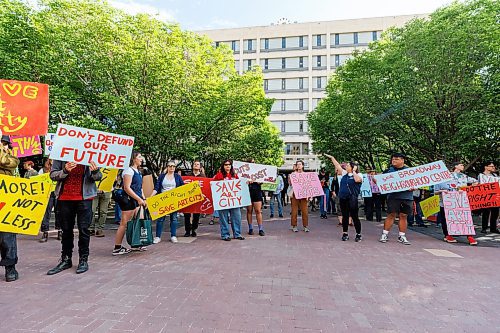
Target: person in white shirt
column 489, row 214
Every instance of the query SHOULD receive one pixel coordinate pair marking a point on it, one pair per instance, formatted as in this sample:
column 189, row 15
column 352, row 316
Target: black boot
column 11, row 274
column 45, row 237
column 65, row 263
column 83, row 265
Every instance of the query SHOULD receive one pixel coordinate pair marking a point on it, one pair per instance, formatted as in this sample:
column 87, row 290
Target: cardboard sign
column 457, row 212
column 81, row 145
column 306, row 185
column 373, row 185
column 203, row 207
column 483, row 195
column 24, row 108
column 412, row 178
column 23, row 146
column 107, row 180
column 259, row 173
column 148, row 185
column 228, row 194
column 366, row 189
column 176, row 199
column 270, row 187
column 22, row 204
column 430, row 206
column 45, row 177
column 49, row 142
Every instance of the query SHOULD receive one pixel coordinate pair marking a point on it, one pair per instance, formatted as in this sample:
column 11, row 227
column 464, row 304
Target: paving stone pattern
column 283, row 282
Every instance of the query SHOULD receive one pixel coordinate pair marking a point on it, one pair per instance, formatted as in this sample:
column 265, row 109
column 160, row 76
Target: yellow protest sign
column 171, row 201
column 430, row 206
column 107, row 180
column 46, row 178
column 22, row 204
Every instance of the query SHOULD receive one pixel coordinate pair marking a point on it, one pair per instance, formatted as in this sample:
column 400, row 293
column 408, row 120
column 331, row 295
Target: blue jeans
column 235, row 214
column 280, row 206
column 173, row 225
column 322, row 200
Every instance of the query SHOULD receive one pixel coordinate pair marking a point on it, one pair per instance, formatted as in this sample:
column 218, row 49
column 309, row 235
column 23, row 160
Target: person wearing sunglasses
column 168, row 180
column 226, row 172
column 8, row 240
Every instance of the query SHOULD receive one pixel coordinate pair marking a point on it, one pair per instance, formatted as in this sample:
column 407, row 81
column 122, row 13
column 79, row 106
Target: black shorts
column 256, row 195
column 399, row 206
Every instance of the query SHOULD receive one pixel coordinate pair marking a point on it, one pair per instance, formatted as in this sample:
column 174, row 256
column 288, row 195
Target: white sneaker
column 384, row 238
column 295, row 229
column 156, row 240
column 173, row 239
column 404, row 240
column 306, row 229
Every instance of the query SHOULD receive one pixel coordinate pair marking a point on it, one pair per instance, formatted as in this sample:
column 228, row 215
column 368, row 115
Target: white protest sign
column 412, row 178
column 82, row 146
column 49, row 142
column 366, row 189
column 259, row 173
column 227, row 194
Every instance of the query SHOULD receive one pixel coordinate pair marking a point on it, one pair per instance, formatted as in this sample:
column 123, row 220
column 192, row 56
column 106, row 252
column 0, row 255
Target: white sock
column 401, row 233
column 385, row 232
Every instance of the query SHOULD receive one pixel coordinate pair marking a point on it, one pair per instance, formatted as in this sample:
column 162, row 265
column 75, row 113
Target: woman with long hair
column 226, row 172
column 299, row 203
column 132, row 185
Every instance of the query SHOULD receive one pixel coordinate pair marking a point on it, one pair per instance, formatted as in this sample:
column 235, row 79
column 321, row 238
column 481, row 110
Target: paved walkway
column 283, row 282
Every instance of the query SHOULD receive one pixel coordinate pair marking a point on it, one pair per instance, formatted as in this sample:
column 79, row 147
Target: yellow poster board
column 46, row 178
column 107, row 180
column 22, row 204
column 430, row 206
column 171, row 201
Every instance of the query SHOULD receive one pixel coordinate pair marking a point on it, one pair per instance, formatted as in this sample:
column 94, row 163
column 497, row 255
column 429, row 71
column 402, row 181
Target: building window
column 355, row 38
column 283, row 105
column 217, row 44
column 233, row 45
column 283, row 43
column 283, row 63
column 249, row 65
column 318, row 61
column 266, row 85
column 283, row 84
column 318, row 40
column 374, row 35
column 301, row 62
column 337, row 39
column 266, row 63
column 301, row 104
column 337, row 60
column 250, row 46
column 283, row 126
column 301, row 41
column 301, row 83
column 266, row 43
column 301, row 126
column 318, row 82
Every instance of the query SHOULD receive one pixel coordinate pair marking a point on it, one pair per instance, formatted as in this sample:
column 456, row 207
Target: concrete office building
column 297, row 59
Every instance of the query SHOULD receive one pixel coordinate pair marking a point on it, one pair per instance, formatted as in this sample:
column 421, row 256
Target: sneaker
column 211, row 222
column 261, row 233
column 187, row 234
column 173, row 239
column 99, row 233
column 384, row 238
column 156, row 240
column 291, row 227
column 404, row 240
column 120, row 251
column 345, row 237
column 449, row 239
column 358, row 238
column 250, row 232
column 306, row 229
column 471, row 240
column 295, row 229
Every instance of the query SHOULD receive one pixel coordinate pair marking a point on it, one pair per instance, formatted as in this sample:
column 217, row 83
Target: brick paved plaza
column 283, row 282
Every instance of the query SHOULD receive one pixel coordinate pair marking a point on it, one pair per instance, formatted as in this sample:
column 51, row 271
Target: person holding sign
column 8, row 240
column 168, row 180
column 189, row 227
column 133, row 198
column 277, row 195
column 349, row 189
column 75, row 190
column 449, row 186
column 256, row 197
column 398, row 203
column 299, row 203
column 226, row 172
column 489, row 176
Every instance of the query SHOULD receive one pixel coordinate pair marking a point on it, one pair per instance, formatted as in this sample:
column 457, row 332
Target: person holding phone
column 349, row 189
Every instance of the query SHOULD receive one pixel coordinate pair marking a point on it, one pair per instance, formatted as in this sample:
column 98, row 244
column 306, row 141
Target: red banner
column 24, row 108
column 203, row 207
column 483, row 195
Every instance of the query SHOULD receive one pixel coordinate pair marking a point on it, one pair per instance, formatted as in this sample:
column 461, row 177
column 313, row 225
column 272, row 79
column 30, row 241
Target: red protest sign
column 24, row 108
column 203, row 207
column 483, row 195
